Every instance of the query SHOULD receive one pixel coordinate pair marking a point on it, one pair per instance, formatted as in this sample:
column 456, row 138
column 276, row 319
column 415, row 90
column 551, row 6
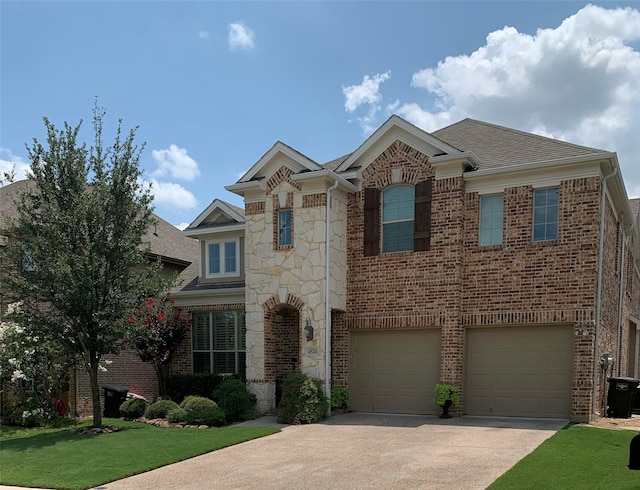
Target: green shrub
column 194, row 403
column 213, row 417
column 340, row 397
column 235, row 400
column 180, row 386
column 303, row 401
column 176, row 415
column 133, row 408
column 159, row 409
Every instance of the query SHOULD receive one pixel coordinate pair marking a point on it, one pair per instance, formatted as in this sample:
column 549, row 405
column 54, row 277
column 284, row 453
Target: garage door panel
column 519, row 371
column 401, row 369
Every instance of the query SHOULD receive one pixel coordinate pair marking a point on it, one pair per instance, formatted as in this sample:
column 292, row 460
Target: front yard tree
column 160, row 327
column 80, row 266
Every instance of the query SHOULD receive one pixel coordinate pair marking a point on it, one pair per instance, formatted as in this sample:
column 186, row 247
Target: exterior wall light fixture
column 308, row 329
column 584, row 331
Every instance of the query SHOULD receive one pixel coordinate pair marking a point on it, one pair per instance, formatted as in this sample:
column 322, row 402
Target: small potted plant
column 340, row 399
column 446, row 397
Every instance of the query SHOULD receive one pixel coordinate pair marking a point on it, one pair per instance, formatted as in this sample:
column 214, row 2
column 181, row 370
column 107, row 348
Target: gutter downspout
column 596, row 360
column 327, row 292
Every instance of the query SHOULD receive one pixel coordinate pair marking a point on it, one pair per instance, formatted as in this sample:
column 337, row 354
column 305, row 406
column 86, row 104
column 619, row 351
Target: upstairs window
column 404, row 221
column 397, row 218
column 545, row 214
column 222, row 258
column 491, row 211
column 284, row 228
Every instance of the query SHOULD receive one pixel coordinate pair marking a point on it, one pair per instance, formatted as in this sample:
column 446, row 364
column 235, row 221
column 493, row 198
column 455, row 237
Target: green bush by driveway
column 58, row 458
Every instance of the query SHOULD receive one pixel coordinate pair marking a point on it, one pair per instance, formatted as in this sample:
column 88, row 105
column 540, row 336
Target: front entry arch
column 282, row 345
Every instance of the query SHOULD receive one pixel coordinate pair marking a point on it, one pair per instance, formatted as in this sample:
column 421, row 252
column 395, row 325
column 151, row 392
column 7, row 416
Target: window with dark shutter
column 371, row 221
column 422, row 216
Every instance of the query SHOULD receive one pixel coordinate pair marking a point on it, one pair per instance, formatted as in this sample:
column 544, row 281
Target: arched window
column 397, row 218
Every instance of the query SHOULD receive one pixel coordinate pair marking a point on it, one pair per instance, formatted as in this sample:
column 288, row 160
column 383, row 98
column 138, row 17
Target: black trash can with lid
column 114, row 396
column 620, row 397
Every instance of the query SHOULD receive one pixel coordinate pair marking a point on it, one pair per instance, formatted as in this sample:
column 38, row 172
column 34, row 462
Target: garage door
column 522, row 372
column 394, row 371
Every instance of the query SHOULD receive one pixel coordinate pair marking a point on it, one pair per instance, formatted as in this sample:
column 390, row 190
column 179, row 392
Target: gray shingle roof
column 498, row 146
column 164, row 239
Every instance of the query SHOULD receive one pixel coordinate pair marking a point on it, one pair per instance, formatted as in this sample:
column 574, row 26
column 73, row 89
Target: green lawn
column 56, row 458
column 576, row 457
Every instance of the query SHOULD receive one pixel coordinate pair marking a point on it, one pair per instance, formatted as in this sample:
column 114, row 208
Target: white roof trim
column 214, row 230
column 391, row 123
column 328, row 174
column 279, row 147
column 216, row 204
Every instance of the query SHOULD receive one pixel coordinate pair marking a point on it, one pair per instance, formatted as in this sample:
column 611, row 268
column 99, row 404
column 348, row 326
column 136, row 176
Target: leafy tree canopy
column 80, row 265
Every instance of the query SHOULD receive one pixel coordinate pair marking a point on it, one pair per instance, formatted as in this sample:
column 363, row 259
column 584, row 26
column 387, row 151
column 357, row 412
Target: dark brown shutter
column 422, row 216
column 371, row 221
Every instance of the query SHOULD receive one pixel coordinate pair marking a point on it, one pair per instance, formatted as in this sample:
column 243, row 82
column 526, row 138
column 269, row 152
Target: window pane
column 491, row 210
column 284, row 227
column 201, row 362
column 201, row 336
column 242, row 331
column 398, row 203
column 242, row 363
column 224, row 362
column 545, row 214
column 214, row 258
column 397, row 218
column 230, row 257
column 224, row 330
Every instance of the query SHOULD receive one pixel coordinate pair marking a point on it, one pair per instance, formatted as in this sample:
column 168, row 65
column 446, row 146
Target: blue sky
column 213, row 85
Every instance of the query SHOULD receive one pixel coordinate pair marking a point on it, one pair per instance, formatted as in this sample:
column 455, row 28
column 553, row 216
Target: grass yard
column 56, row 458
column 577, row 456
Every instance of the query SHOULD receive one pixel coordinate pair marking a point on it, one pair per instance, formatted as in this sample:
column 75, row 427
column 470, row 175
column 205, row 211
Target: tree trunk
column 95, row 391
column 162, row 372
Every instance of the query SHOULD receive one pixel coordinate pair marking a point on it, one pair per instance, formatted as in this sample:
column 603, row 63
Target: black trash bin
column 114, row 396
column 621, row 396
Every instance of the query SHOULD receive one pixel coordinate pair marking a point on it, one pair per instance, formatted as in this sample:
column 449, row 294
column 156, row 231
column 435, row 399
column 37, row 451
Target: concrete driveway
column 359, row 451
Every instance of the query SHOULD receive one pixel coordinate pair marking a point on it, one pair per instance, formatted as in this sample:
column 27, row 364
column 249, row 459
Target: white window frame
column 404, row 220
column 223, row 272
column 280, row 236
column 488, row 225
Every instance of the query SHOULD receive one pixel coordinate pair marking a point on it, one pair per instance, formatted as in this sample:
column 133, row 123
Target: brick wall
column 125, row 370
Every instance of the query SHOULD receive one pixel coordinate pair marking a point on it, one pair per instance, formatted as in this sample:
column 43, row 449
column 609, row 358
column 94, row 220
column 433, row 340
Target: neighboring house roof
column 164, row 239
column 8, row 195
column 498, row 146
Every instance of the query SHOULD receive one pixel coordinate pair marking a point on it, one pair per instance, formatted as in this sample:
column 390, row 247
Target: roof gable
column 395, row 128
column 273, row 159
column 218, row 213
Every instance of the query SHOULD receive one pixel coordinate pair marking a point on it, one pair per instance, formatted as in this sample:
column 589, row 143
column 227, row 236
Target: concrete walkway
column 361, row 451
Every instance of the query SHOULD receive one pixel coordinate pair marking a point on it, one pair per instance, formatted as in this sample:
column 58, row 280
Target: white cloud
column 367, row 93
column 11, row 163
column 182, row 225
column 240, row 36
column 170, row 195
column 579, row 82
column 203, row 35
column 175, row 162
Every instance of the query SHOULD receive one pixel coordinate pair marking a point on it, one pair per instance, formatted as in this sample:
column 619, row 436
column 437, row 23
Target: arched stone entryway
column 282, row 328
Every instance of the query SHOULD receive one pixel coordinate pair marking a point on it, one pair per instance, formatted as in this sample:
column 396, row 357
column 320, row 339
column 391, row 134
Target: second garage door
column 519, row 371
column 394, row 371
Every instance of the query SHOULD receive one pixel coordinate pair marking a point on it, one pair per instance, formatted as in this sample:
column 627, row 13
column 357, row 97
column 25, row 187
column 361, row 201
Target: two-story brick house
column 499, row 261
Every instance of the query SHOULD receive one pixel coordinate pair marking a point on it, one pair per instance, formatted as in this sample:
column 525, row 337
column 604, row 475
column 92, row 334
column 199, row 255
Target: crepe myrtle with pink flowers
column 159, row 328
